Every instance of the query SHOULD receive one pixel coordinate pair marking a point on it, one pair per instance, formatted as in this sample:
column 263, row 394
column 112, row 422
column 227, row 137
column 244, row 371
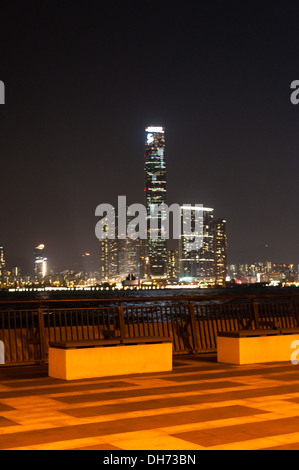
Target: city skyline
column 225, row 275
column 135, row 240
column 82, row 83
column 78, row 264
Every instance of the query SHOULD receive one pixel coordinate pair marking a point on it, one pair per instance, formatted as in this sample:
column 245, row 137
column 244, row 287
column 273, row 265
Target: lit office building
column 268, row 266
column 2, row 265
column 108, row 266
column 119, row 257
column 220, row 251
column 40, row 263
column 144, row 260
column 197, row 261
column 128, row 258
column 155, row 193
column 129, row 253
column 173, row 270
column 108, row 262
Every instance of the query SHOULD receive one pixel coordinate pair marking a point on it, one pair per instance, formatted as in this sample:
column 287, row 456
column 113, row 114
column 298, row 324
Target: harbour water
column 151, row 295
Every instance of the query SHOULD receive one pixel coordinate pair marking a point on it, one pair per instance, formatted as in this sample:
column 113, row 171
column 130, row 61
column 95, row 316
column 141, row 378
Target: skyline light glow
column 72, row 127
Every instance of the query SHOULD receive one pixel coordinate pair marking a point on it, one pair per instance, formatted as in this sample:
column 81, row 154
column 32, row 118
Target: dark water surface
column 155, row 296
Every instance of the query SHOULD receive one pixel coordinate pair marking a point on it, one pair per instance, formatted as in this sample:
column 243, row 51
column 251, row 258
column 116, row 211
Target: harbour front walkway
column 199, row 405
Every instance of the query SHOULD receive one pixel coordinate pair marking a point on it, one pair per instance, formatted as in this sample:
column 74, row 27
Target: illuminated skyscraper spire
column 155, row 193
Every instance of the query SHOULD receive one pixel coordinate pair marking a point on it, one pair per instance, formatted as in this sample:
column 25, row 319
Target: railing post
column 41, row 333
column 121, row 319
column 2, row 352
column 193, row 326
column 256, row 314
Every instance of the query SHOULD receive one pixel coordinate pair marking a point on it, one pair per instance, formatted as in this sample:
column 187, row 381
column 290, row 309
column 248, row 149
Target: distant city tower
column 2, row 265
column 220, row 251
column 155, row 193
column 40, row 263
column 198, row 263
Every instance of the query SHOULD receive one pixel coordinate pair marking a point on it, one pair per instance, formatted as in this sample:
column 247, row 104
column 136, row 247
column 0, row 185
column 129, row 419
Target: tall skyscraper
column 198, row 263
column 129, row 254
column 207, row 255
column 220, row 251
column 119, row 257
column 2, row 265
column 108, row 268
column 108, row 262
column 155, row 193
column 40, row 263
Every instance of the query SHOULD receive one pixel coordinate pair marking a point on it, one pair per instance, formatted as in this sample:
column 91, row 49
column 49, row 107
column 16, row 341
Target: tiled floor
column 200, row 405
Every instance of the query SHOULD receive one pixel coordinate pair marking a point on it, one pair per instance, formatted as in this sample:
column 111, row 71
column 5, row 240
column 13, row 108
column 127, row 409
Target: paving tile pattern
column 200, row 405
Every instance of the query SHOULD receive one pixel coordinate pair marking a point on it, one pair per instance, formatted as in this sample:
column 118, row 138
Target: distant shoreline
column 148, row 293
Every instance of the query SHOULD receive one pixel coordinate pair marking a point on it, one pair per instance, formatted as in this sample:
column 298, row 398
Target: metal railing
column 193, row 323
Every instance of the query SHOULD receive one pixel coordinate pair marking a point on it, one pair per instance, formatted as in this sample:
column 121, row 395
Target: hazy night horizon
column 82, row 82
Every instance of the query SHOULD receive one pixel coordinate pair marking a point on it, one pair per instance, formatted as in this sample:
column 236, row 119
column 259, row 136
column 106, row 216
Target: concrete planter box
column 87, row 362
column 251, row 349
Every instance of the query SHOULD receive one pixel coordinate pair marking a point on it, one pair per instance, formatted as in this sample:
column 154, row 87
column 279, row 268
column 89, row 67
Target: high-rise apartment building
column 108, row 266
column 220, row 251
column 129, row 254
column 119, row 257
column 40, row 263
column 128, row 257
column 108, row 259
column 2, row 265
column 155, row 193
column 197, row 262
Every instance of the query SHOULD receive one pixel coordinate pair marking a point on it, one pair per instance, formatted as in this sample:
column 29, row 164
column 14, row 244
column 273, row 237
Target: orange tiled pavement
column 199, row 405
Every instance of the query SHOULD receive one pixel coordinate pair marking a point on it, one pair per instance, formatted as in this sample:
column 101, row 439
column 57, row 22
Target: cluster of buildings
column 153, row 260
column 145, row 261
column 268, row 273
column 14, row 277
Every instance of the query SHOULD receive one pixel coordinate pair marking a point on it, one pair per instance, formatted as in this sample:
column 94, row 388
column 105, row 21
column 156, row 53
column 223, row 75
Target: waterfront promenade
column 200, row 405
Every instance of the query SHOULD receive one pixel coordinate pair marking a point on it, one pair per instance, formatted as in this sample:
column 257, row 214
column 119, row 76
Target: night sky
column 83, row 79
